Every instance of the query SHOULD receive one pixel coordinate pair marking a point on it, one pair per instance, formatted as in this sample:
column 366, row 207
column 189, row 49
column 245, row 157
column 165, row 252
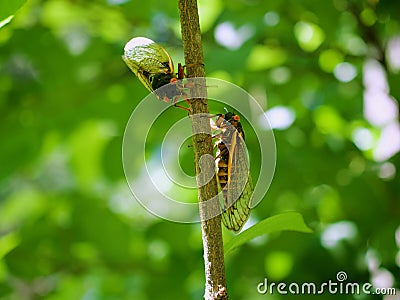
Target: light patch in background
column 337, row 232
column 397, row 236
column 158, row 249
column 226, row 35
column 392, row 53
column 398, row 259
column 88, row 72
column 357, row 166
column 280, row 117
column 271, row 18
column 117, row 2
column 345, row 72
column 280, row 75
column 356, row 46
column 381, row 110
column 264, row 57
column 328, row 120
column 353, row 44
column 260, row 94
column 76, row 40
column 392, row 297
column 388, row 143
column 123, row 202
column 382, row 278
column 329, row 59
column 53, row 172
column 379, row 107
column 158, row 175
column 363, row 138
column 278, row 264
column 387, row 171
column 308, row 35
column 372, row 260
column 159, row 183
column 368, row 16
column 374, row 76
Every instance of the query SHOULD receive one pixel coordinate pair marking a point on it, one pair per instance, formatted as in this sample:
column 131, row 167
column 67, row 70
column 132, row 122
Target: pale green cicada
column 152, row 64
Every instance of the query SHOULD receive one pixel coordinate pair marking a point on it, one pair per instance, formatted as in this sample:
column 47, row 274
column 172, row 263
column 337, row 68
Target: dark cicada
column 233, row 171
column 152, row 64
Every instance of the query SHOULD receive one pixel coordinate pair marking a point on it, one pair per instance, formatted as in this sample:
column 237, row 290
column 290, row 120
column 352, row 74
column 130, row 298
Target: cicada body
column 233, row 172
column 153, row 66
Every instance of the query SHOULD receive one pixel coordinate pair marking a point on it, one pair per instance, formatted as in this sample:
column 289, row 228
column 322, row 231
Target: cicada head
column 233, row 119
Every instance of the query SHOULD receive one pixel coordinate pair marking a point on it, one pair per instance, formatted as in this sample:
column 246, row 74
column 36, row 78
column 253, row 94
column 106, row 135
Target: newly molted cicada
column 233, row 171
column 152, row 64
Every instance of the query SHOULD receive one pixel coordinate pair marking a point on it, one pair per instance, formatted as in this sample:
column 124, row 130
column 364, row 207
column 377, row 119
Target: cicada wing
column 239, row 188
column 145, row 79
column 235, row 216
column 146, row 58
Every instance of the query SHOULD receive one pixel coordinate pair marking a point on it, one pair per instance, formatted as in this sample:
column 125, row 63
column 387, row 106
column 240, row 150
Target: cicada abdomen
column 233, row 172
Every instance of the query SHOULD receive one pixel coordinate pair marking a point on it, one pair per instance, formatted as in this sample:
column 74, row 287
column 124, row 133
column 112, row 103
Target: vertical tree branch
column 211, row 229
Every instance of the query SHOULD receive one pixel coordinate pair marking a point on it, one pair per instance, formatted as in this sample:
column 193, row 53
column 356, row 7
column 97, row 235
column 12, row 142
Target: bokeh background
column 326, row 74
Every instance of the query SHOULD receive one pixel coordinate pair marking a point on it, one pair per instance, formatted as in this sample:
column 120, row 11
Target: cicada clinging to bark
column 233, row 171
column 152, row 64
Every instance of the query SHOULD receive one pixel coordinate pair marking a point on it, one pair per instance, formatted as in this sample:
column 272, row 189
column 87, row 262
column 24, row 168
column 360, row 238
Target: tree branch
column 211, row 228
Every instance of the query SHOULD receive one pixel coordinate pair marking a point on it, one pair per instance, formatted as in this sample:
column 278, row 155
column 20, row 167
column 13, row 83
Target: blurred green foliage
column 69, row 228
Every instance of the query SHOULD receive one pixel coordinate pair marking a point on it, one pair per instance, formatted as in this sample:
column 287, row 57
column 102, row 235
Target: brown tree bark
column 215, row 287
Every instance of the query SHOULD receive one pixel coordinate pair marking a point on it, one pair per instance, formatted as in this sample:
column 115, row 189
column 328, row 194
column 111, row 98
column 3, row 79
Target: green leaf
column 7, row 243
column 287, row 221
column 9, row 8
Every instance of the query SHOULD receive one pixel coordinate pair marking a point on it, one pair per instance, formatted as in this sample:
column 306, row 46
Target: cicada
column 233, row 171
column 152, row 64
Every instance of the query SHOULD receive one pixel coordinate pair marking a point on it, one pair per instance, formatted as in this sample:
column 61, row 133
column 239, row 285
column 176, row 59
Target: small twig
column 211, row 229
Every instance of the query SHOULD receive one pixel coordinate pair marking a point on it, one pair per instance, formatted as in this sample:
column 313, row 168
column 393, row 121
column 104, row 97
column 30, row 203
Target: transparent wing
column 235, row 216
column 239, row 189
column 146, row 58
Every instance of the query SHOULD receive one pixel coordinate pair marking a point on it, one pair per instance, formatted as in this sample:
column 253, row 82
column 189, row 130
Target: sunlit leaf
column 9, row 8
column 287, row 221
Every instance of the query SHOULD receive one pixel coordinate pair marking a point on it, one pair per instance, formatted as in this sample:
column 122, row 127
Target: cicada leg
column 184, row 97
column 181, row 69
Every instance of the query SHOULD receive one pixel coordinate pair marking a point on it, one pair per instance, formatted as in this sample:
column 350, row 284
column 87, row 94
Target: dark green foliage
column 69, row 227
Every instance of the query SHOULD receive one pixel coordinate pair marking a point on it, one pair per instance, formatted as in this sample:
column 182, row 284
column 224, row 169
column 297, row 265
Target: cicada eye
column 236, row 118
